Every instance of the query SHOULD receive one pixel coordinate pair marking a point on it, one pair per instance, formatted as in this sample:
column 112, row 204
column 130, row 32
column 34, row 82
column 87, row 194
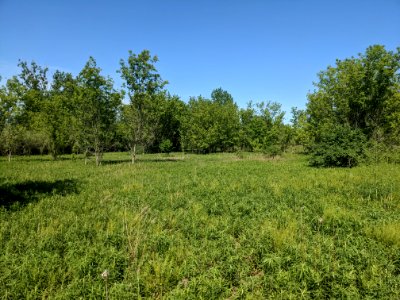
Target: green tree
column 198, row 131
column 262, row 128
column 226, row 116
column 10, row 116
column 34, row 93
column 98, row 105
column 357, row 94
column 56, row 113
column 144, row 84
column 170, row 112
column 211, row 124
column 299, row 127
column 64, row 104
column 166, row 146
column 338, row 145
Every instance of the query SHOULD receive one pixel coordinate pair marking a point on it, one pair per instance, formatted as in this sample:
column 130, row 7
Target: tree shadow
column 15, row 196
column 164, row 159
column 141, row 160
column 115, row 161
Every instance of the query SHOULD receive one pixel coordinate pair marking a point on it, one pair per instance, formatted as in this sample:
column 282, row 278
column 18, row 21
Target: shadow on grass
column 141, row 160
column 164, row 160
column 16, row 196
column 41, row 158
column 115, row 161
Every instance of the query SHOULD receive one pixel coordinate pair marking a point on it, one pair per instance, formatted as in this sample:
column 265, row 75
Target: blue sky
column 256, row 50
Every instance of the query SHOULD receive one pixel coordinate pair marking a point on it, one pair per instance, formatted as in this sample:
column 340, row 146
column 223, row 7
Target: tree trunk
column 54, row 155
column 183, row 150
column 133, row 153
column 98, row 158
column 9, row 156
column 86, row 157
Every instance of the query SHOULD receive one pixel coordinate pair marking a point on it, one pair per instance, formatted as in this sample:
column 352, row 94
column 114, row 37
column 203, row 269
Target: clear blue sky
column 256, row 50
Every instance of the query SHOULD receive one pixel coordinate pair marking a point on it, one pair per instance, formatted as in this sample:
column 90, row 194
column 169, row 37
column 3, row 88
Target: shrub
column 166, row 146
column 272, row 150
column 338, row 146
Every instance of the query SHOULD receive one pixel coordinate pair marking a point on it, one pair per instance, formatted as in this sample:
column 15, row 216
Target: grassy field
column 198, row 227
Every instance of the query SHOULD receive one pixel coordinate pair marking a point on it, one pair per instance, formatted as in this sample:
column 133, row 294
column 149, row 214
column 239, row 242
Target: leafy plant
column 166, row 146
column 338, row 146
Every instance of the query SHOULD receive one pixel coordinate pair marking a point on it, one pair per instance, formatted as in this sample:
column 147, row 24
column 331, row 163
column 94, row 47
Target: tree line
column 355, row 106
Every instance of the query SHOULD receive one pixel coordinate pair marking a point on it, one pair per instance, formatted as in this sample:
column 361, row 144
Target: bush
column 272, row 150
column 338, row 146
column 166, row 146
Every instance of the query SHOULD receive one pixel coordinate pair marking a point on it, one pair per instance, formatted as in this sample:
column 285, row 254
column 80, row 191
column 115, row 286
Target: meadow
column 225, row 226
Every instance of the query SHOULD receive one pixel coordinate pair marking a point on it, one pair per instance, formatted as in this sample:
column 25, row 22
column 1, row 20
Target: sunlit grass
column 211, row 226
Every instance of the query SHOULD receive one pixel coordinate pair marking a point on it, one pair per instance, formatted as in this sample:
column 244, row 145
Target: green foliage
column 32, row 92
column 211, row 125
column 226, row 117
column 272, row 150
column 359, row 94
column 170, row 111
column 299, row 127
column 145, row 92
column 262, row 128
column 166, row 146
column 140, row 74
column 11, row 128
column 206, row 227
column 338, row 146
column 97, row 107
column 59, row 113
column 11, row 135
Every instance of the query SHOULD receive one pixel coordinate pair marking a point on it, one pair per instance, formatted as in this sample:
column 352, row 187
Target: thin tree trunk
column 9, row 156
column 133, row 153
column 98, row 158
column 54, row 155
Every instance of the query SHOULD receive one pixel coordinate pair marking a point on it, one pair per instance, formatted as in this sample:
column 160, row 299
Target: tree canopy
column 359, row 96
column 355, row 106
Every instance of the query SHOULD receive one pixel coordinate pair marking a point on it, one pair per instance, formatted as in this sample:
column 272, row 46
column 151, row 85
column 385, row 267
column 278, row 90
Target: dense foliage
column 353, row 101
column 86, row 115
column 355, row 106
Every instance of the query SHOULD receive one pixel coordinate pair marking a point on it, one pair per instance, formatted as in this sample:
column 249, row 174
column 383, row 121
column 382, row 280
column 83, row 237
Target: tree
column 357, row 96
column 170, row 112
column 299, row 127
column 56, row 113
column 198, row 127
column 226, row 116
column 34, row 93
column 98, row 105
column 262, row 128
column 143, row 83
column 10, row 116
column 166, row 146
column 63, row 131
column 338, row 145
column 33, row 78
column 211, row 124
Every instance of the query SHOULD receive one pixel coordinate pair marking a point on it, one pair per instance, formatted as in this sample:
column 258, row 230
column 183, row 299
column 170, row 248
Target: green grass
column 202, row 227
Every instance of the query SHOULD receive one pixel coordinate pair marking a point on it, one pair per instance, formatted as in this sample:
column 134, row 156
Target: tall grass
column 198, row 227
